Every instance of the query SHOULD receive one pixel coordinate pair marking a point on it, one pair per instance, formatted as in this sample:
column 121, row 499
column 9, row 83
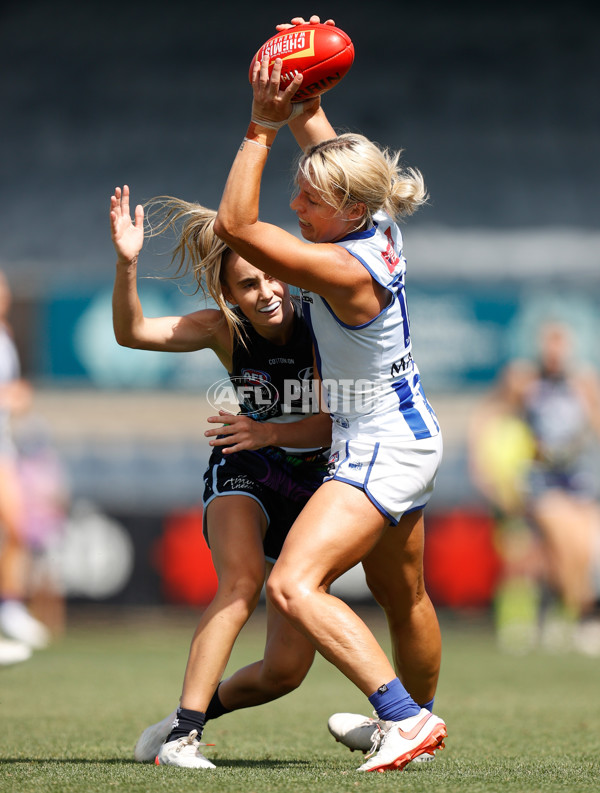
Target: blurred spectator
column 15, row 398
column 46, row 507
column 532, row 452
column 562, row 410
column 501, row 450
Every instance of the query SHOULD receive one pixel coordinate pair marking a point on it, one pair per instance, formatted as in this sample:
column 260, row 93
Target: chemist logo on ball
column 256, row 395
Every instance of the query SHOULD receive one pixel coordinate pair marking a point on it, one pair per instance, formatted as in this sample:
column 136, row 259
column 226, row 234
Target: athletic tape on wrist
column 297, row 108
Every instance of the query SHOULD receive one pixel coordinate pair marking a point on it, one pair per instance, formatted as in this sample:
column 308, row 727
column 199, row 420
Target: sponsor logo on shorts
column 332, row 462
column 341, row 421
column 239, row 482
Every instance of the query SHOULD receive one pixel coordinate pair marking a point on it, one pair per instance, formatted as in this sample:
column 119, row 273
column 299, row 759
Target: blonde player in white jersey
column 386, row 442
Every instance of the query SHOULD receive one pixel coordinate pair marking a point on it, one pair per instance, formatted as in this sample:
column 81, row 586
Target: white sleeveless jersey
column 371, row 383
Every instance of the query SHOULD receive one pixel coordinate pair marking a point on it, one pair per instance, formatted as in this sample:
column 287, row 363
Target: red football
column 322, row 53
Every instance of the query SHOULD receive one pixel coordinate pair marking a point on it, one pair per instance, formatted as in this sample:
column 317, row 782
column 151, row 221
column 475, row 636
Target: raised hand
column 127, row 235
column 271, row 105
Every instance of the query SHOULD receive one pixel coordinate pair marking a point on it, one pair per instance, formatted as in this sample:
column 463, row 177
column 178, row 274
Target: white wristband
column 256, row 143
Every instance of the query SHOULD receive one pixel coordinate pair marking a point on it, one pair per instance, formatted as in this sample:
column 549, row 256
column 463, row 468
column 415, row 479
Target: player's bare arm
column 196, row 331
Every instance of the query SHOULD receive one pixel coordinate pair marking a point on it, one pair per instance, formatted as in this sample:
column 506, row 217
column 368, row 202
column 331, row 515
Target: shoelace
column 191, row 740
column 376, row 739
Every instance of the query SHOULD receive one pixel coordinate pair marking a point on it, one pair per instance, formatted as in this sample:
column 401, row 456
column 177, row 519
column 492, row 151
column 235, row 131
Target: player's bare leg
column 238, row 557
column 568, row 529
column 394, row 574
column 345, row 526
column 299, row 586
column 236, row 526
column 286, row 662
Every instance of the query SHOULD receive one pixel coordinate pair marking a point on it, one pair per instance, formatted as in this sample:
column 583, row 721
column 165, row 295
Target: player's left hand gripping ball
column 323, row 54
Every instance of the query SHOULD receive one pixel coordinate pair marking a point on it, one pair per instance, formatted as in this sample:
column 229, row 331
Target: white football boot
column 362, row 733
column 403, row 741
column 153, row 738
column 355, row 731
column 184, row 752
column 17, row 623
column 12, row 652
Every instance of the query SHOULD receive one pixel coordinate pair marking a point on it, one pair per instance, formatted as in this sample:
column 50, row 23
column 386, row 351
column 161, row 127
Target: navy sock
column 186, row 721
column 215, row 706
column 428, row 705
column 393, row 702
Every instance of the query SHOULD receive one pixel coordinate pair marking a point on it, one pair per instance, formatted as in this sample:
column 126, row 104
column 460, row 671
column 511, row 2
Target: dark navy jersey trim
column 401, row 296
column 347, row 445
column 361, row 235
column 372, row 463
column 369, row 495
column 389, row 285
column 308, row 320
column 419, row 384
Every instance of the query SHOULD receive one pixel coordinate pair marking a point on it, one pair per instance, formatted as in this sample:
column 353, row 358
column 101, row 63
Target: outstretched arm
column 194, row 331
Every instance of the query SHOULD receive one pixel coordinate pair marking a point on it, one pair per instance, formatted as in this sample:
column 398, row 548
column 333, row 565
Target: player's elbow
column 126, row 339
column 225, row 226
column 231, row 226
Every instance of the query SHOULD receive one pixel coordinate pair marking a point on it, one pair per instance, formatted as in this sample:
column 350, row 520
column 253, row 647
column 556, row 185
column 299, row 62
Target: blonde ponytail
column 351, row 169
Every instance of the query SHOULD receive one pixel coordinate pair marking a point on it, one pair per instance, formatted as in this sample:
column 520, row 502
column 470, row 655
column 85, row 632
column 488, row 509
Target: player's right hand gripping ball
column 323, row 54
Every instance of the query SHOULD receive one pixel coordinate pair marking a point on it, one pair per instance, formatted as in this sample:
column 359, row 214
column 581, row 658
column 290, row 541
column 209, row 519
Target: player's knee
column 282, row 592
column 378, row 591
column 275, row 593
column 243, row 590
column 398, row 602
column 286, row 683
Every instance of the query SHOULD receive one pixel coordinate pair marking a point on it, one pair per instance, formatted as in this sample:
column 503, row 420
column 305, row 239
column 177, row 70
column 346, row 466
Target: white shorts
column 398, row 477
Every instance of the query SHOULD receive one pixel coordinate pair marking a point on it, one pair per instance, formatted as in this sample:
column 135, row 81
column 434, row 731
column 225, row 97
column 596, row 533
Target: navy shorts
column 279, row 481
column 578, row 480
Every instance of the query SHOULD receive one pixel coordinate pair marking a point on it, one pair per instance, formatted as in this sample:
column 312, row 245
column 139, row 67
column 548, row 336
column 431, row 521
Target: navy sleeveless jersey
column 273, row 381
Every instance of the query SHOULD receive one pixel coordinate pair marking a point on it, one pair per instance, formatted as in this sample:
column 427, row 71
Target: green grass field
column 71, row 716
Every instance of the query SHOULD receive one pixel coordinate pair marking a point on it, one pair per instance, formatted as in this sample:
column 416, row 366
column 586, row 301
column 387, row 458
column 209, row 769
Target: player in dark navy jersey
column 281, row 480
column 265, row 464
